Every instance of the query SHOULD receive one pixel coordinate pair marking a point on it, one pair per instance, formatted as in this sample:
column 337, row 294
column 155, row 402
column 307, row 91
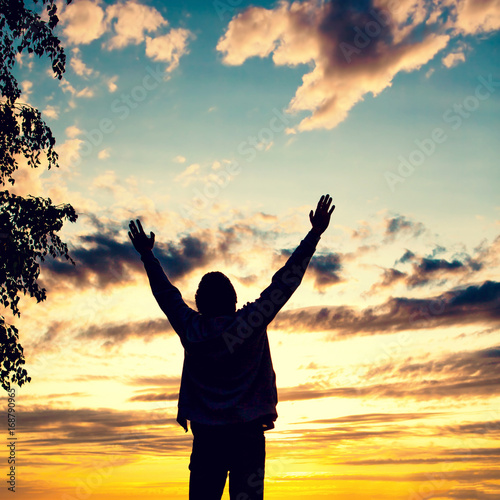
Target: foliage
column 28, row 226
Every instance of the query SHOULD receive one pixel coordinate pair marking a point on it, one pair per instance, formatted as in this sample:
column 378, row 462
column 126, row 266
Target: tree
column 28, row 226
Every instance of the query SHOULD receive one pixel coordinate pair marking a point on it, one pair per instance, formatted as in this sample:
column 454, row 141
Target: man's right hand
column 321, row 218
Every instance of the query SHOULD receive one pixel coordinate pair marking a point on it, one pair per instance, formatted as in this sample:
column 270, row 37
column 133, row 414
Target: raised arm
column 321, row 218
column 169, row 298
column 289, row 277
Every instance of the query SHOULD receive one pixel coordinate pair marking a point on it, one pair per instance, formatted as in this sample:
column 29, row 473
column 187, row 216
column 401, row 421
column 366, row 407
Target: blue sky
column 207, row 109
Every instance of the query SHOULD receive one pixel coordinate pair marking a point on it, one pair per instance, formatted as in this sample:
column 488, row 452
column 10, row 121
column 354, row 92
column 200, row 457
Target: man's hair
column 215, row 295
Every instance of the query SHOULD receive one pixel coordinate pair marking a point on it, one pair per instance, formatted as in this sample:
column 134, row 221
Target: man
column 228, row 385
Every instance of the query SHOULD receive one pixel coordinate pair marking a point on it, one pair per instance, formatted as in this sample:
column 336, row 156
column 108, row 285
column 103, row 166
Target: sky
column 220, row 124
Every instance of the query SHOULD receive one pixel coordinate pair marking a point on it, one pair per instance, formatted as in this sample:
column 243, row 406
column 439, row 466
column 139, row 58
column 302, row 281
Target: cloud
column 470, row 305
column 168, row 48
column 189, row 175
column 407, row 256
column 104, row 154
column 389, row 278
column 51, row 112
column 477, row 17
column 399, row 224
column 453, row 58
column 163, row 396
column 324, row 268
column 460, row 367
column 353, row 48
column 111, row 82
column 117, row 333
column 83, row 21
column 426, row 270
column 26, row 87
column 457, row 375
column 78, row 66
column 179, row 159
column 73, row 131
column 67, row 87
column 126, row 432
column 102, row 260
column 130, row 21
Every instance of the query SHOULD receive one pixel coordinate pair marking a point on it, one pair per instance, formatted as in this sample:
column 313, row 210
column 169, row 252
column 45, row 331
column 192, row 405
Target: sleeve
column 283, row 284
column 169, row 298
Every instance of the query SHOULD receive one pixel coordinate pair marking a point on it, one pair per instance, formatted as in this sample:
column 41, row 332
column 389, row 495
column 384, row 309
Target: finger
column 130, row 236
column 140, row 227
column 132, row 226
column 320, row 202
column 311, row 216
column 152, row 237
column 331, row 210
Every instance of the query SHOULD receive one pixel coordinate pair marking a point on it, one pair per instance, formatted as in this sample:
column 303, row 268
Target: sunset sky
column 220, row 124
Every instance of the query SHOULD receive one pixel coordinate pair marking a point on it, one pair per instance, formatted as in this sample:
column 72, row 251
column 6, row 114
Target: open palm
column 141, row 242
column 321, row 218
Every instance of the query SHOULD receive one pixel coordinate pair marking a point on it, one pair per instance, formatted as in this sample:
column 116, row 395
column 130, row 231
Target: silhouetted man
column 228, row 385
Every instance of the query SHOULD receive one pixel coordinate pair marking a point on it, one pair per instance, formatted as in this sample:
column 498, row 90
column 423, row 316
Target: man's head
column 215, row 295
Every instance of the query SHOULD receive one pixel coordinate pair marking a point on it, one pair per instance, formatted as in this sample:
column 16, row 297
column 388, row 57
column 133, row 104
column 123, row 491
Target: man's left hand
column 141, row 242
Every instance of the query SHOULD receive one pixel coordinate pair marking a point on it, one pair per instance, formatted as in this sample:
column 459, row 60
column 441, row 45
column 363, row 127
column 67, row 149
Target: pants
column 239, row 449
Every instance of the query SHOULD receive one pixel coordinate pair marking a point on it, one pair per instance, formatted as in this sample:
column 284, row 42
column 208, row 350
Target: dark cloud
column 157, row 381
column 179, row 260
column 170, row 384
column 443, row 456
column 352, row 48
column 117, row 333
column 470, row 373
column 389, row 278
column 400, row 224
column 407, row 256
column 474, row 304
column 427, row 269
column 467, row 494
column 375, row 418
column 457, row 375
column 325, row 268
column 102, row 259
column 491, row 427
column 163, row 396
column 340, row 30
column 51, row 430
column 460, row 366
column 436, row 251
